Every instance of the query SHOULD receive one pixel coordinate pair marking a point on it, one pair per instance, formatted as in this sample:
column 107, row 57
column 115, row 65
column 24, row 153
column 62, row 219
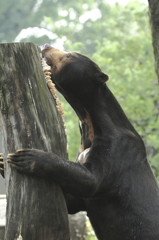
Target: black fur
column 115, row 185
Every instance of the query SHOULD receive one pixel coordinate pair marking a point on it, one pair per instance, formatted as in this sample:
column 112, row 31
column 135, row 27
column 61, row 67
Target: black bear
column 111, row 178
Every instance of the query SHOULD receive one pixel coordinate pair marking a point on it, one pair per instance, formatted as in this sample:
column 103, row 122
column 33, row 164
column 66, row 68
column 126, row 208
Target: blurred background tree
column 154, row 20
column 117, row 37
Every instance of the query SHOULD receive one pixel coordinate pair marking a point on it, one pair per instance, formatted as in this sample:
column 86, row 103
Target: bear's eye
column 68, row 55
column 49, row 63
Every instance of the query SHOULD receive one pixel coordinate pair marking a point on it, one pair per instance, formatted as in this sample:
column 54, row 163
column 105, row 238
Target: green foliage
column 90, row 232
column 127, row 57
column 14, row 16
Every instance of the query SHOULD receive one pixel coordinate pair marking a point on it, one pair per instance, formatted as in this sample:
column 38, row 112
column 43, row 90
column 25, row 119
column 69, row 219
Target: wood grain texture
column 29, row 119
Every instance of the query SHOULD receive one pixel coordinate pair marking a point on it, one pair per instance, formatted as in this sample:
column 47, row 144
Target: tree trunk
column 36, row 207
column 154, row 19
column 77, row 223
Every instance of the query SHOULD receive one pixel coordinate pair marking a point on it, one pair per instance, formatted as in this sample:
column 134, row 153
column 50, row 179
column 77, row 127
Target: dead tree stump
column 36, row 207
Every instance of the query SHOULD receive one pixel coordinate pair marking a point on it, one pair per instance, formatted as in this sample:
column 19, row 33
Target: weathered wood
column 77, row 223
column 36, row 208
column 154, row 19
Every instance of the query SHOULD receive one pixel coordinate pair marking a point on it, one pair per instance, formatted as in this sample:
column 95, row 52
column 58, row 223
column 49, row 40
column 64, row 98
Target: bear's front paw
column 28, row 161
column 1, row 165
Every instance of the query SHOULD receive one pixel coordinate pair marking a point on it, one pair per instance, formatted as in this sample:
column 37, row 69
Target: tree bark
column 77, row 223
column 154, row 19
column 36, row 207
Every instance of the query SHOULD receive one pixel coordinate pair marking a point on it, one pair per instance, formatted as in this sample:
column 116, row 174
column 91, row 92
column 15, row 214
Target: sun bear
column 111, row 178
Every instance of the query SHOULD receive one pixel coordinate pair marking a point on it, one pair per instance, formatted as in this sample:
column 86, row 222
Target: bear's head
column 82, row 83
column 75, row 76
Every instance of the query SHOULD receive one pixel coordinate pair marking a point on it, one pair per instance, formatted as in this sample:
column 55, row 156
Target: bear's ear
column 102, row 77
